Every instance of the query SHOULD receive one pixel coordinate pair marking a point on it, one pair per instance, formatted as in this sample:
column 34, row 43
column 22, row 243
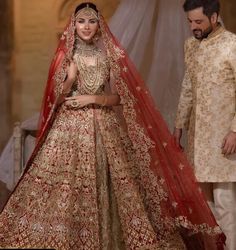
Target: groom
column 207, row 109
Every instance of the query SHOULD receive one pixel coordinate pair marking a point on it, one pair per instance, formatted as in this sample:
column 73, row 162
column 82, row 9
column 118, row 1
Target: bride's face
column 86, row 27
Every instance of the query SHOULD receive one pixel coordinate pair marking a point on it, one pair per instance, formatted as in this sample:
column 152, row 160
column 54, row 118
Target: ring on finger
column 75, row 104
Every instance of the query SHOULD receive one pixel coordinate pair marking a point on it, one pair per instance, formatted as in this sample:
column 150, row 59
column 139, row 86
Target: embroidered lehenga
column 102, row 178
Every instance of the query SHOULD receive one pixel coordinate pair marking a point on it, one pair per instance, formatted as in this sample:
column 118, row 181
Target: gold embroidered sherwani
column 207, row 104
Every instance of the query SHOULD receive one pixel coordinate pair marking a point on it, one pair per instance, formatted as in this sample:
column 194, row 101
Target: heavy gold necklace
column 89, row 74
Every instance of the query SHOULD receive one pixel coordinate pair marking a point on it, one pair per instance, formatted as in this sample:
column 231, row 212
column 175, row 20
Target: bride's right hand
column 72, row 71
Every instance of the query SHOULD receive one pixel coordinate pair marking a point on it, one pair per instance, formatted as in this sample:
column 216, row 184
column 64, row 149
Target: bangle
column 65, row 92
column 104, row 101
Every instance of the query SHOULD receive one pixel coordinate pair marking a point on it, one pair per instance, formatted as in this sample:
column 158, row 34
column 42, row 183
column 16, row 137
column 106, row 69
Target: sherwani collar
column 219, row 29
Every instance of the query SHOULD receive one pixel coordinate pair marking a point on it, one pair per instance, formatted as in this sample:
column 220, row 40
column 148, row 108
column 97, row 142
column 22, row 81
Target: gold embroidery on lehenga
column 84, row 167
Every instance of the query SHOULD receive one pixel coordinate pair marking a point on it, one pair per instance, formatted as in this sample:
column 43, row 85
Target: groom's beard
column 201, row 34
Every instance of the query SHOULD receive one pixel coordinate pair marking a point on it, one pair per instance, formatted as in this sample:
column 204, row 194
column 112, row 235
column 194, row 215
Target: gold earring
column 97, row 35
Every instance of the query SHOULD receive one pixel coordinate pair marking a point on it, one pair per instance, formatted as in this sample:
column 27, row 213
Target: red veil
column 171, row 194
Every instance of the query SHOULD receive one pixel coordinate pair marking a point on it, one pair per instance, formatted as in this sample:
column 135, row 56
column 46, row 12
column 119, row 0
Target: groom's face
column 200, row 24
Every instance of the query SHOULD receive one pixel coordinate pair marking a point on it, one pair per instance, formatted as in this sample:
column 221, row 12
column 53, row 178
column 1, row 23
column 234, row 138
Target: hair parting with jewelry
column 87, row 6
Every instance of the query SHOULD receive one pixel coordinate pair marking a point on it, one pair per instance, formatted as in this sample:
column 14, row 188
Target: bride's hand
column 79, row 101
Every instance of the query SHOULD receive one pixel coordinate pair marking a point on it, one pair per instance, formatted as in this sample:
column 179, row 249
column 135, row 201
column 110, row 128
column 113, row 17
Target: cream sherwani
column 207, row 109
column 207, row 104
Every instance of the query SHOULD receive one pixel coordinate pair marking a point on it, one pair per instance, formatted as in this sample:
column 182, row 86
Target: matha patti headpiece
column 87, row 11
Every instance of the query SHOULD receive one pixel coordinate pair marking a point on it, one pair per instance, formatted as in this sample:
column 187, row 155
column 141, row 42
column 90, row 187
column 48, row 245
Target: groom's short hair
column 209, row 6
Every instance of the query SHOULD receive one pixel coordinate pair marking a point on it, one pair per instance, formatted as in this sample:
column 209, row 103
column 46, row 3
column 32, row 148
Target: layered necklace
column 87, row 57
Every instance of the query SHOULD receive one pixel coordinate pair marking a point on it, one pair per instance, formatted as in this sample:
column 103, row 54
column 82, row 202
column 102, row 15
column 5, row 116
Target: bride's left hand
column 79, row 101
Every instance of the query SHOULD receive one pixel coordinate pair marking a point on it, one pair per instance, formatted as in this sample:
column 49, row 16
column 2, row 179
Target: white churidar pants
column 221, row 198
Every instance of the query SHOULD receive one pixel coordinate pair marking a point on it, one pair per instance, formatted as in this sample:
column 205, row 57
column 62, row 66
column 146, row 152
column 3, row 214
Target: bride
column 105, row 173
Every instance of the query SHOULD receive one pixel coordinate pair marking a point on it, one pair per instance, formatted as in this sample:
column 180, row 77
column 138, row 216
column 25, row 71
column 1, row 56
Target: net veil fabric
column 151, row 34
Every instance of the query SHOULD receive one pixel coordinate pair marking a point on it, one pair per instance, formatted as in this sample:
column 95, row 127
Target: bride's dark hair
column 84, row 5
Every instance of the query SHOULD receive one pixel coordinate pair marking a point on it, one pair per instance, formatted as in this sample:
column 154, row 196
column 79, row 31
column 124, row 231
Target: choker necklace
column 87, row 49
